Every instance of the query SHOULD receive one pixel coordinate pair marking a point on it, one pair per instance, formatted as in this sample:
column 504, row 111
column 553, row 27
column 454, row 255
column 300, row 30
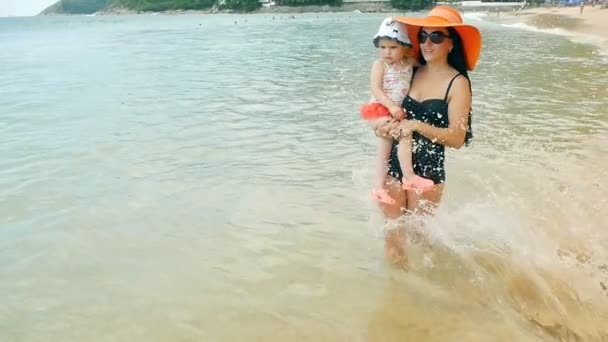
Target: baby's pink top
column 396, row 81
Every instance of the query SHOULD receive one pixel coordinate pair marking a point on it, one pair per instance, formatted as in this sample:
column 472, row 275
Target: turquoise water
column 191, row 178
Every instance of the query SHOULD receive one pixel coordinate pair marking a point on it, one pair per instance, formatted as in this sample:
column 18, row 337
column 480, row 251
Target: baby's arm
column 376, row 78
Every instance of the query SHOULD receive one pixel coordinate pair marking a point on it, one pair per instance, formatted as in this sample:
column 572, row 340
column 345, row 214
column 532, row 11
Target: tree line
column 92, row 6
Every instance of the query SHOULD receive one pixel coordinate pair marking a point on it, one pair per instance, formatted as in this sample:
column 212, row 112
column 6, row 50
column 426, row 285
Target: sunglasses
column 437, row 37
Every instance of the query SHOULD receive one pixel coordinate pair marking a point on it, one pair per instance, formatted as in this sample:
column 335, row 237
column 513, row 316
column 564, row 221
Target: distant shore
column 358, row 7
column 593, row 20
column 370, row 7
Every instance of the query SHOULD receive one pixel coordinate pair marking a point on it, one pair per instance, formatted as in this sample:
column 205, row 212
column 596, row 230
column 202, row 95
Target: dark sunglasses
column 437, row 37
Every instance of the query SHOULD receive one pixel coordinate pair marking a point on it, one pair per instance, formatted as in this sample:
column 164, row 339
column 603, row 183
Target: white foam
column 475, row 15
column 578, row 37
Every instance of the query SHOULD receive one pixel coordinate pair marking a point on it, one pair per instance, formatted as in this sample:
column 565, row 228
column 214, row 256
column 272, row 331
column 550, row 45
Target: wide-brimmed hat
column 392, row 29
column 444, row 16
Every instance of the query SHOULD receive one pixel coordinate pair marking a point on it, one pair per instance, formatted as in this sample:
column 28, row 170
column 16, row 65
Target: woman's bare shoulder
column 459, row 81
column 460, row 88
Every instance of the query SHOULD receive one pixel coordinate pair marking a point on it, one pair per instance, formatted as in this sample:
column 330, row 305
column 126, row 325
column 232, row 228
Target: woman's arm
column 459, row 106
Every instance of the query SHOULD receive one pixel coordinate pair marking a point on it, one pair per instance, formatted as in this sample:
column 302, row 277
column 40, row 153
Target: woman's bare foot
column 397, row 257
column 395, row 249
column 417, row 183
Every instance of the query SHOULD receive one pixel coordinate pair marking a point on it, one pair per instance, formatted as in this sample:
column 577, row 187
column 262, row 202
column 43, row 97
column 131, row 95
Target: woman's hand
column 405, row 128
column 386, row 128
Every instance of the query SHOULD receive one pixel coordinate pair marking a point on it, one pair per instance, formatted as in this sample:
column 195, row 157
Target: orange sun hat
column 444, row 16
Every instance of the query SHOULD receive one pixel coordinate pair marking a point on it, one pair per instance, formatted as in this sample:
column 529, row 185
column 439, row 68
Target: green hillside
column 92, row 6
column 77, row 6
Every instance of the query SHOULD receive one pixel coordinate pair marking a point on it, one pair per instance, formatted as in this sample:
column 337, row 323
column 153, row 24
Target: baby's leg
column 381, row 169
column 382, row 155
column 410, row 180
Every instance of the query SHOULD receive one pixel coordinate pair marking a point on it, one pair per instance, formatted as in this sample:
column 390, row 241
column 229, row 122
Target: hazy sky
column 23, row 7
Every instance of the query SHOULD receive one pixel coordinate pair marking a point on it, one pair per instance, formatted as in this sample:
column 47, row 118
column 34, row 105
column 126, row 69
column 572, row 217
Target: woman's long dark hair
column 457, row 61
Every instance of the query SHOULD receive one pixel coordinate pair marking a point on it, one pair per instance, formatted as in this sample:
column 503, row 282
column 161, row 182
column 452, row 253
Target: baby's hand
column 397, row 112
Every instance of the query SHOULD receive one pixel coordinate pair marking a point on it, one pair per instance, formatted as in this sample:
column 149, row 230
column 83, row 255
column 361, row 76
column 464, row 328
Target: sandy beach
column 593, row 20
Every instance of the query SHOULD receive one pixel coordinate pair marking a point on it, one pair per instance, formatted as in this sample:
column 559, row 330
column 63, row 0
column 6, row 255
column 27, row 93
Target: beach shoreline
column 593, row 20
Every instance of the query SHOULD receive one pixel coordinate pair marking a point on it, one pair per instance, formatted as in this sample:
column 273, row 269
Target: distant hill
column 92, row 6
column 78, row 6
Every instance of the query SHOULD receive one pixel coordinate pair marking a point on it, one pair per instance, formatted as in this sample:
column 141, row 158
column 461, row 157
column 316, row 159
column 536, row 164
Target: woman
column 438, row 108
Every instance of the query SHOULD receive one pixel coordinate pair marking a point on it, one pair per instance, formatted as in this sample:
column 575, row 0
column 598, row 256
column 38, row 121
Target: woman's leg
column 406, row 202
column 394, row 239
column 424, row 204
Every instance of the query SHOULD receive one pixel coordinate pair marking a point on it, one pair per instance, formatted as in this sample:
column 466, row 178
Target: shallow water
column 189, row 178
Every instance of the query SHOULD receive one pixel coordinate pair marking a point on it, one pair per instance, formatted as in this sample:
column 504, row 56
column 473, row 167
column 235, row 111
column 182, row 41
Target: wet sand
column 593, row 20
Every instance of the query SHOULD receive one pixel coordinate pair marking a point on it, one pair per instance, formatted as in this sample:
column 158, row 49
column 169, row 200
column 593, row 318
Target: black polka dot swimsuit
column 427, row 156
